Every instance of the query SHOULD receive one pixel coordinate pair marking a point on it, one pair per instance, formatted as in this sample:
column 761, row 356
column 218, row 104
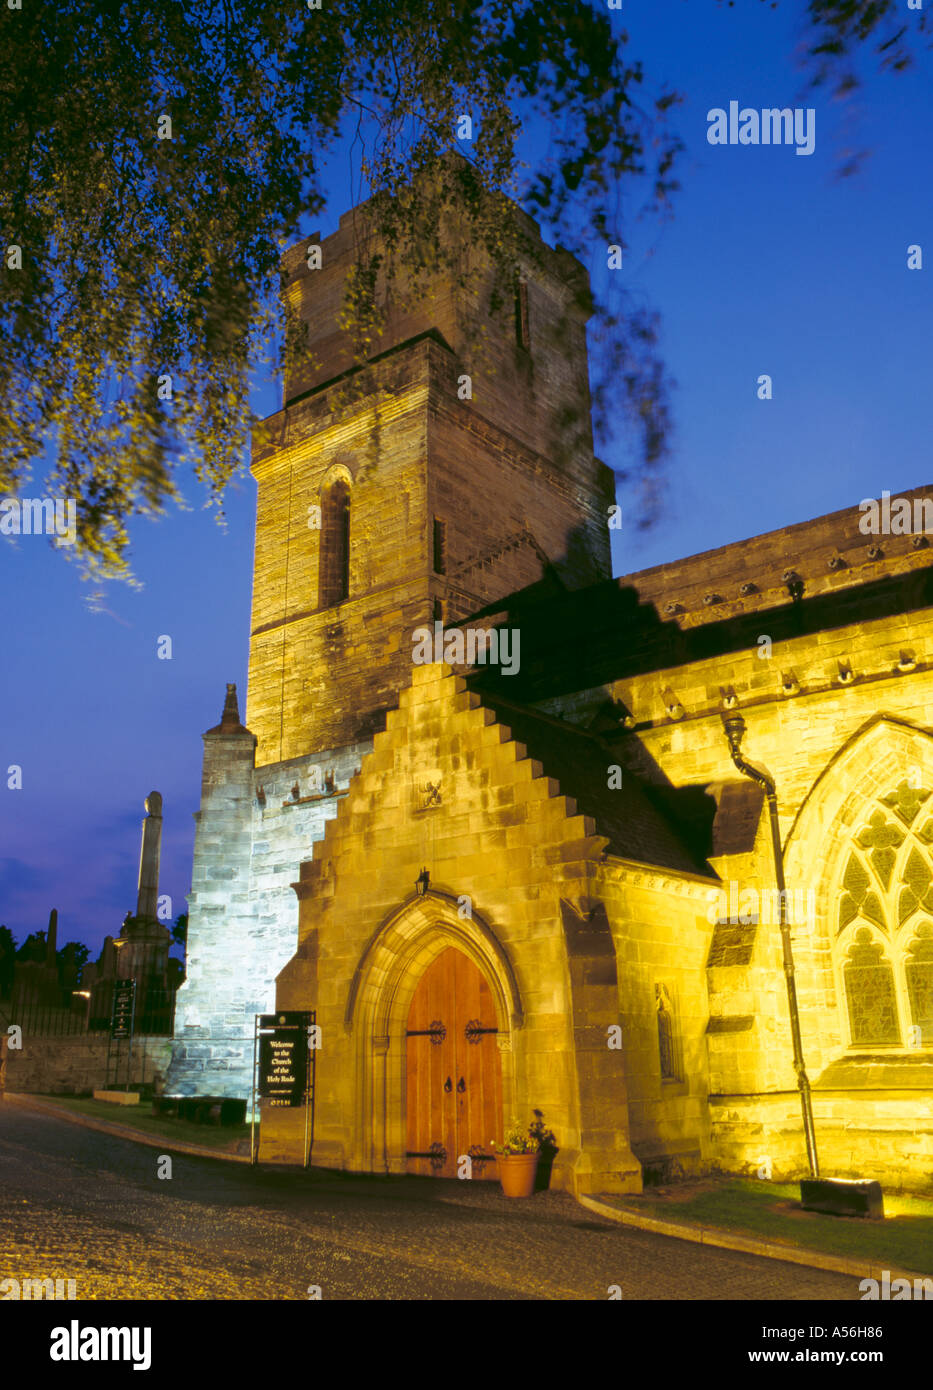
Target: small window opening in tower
column 522, row 335
column 440, row 546
column 334, row 564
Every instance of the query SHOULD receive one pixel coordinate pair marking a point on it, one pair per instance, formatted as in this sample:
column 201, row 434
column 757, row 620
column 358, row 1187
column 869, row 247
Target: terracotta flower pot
column 517, row 1173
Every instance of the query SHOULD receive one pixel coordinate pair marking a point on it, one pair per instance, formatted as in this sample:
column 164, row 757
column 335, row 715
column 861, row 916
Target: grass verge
column 224, row 1138
column 772, row 1211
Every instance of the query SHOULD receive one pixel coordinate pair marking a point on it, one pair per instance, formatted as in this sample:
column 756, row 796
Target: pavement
column 608, row 1207
column 125, row 1221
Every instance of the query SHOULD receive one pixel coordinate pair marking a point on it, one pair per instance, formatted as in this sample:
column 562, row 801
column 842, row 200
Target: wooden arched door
column 454, row 1078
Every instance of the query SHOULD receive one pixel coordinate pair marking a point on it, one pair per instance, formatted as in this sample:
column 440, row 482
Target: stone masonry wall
column 324, row 677
column 530, row 392
column 824, row 555
column 73, row 1065
column 243, row 914
column 662, row 940
column 793, row 735
column 885, row 1137
column 830, row 744
column 505, row 462
column 504, row 837
column 317, row 678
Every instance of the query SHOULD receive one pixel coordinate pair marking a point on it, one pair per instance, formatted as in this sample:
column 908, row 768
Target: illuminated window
column 919, row 972
column 870, row 993
column 884, row 935
column 334, row 564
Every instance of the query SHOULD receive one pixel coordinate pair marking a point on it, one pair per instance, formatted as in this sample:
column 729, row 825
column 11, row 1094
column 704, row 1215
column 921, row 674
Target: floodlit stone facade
column 576, row 830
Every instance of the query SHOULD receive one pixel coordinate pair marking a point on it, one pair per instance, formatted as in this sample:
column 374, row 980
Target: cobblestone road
column 78, row 1204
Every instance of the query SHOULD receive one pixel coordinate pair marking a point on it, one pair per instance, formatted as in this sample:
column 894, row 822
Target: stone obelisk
column 147, row 898
column 51, row 940
column 144, row 941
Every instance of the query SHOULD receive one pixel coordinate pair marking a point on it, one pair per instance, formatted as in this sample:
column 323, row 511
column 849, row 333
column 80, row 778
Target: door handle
column 461, row 1085
column 448, row 1085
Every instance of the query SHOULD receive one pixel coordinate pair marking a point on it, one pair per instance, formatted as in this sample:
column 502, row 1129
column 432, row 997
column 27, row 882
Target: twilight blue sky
column 772, row 263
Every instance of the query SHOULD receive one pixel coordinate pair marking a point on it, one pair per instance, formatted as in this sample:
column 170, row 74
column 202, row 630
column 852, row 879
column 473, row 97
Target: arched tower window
column 334, row 564
column 884, row 937
column 522, row 332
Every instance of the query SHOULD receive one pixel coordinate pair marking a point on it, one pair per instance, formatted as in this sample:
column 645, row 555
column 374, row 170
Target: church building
column 483, row 816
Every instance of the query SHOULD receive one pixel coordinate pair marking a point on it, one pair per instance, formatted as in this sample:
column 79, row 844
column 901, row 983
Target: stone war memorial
column 546, row 880
column 66, row 1029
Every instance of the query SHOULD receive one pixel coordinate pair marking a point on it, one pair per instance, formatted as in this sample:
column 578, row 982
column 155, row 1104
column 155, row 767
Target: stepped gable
column 627, row 815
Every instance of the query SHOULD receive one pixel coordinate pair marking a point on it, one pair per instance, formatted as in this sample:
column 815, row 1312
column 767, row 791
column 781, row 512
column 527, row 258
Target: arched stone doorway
column 379, row 1007
column 453, row 1072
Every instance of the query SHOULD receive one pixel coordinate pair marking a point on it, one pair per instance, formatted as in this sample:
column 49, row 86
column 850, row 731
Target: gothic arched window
column 884, row 937
column 919, row 971
column 334, row 563
column 870, row 993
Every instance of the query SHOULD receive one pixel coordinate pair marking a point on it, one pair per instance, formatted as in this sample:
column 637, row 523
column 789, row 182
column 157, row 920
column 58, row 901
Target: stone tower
column 457, row 476
column 482, row 481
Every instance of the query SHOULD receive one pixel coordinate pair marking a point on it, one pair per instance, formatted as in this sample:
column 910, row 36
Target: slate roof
column 635, row 825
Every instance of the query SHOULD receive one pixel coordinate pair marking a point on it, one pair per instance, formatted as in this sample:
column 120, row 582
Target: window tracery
column 884, row 928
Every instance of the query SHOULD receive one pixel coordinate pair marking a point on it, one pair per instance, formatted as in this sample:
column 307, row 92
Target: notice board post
column 122, row 1024
column 282, row 1043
